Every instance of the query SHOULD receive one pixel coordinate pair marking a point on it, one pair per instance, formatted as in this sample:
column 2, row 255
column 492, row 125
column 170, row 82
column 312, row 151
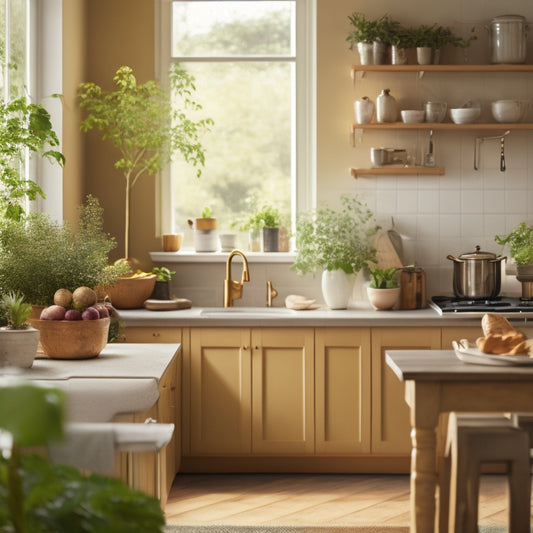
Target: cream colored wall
column 74, row 53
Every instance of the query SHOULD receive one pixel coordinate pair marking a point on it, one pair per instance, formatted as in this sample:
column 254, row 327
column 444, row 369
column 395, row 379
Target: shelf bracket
column 421, row 74
column 356, row 135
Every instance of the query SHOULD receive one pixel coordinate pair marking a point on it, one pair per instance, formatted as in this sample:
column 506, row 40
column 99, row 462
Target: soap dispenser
column 386, row 107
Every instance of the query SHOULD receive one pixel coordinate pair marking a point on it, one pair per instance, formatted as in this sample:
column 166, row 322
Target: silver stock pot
column 476, row 274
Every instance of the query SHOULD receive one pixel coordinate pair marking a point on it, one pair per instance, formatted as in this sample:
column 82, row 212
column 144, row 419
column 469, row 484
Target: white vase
column 363, row 110
column 386, row 107
column 382, row 299
column 337, row 287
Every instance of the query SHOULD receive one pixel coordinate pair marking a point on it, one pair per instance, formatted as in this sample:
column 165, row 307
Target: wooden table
column 437, row 383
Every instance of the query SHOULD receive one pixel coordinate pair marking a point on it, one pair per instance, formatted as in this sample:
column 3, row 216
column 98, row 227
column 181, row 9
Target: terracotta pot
column 72, row 339
column 383, row 299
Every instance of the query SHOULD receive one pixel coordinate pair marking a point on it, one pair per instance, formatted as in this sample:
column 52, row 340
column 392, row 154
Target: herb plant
column 15, row 310
column 366, row 30
column 383, row 278
column 520, row 241
column 207, row 212
column 24, row 126
column 163, row 273
column 333, row 240
column 266, row 216
column 39, row 256
column 143, row 125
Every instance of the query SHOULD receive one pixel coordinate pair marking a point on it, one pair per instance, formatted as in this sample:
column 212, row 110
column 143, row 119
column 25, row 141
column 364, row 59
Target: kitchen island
column 267, row 390
column 125, row 383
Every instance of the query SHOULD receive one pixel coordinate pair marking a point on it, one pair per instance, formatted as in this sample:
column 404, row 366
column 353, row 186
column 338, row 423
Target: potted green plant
column 144, row 125
column 162, row 283
column 24, row 127
column 520, row 243
column 337, row 242
column 384, row 290
column 371, row 37
column 18, row 340
column 205, row 231
column 402, row 40
column 430, row 39
column 37, row 496
column 38, row 256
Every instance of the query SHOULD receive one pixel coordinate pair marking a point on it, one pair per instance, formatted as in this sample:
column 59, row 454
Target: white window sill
column 188, row 256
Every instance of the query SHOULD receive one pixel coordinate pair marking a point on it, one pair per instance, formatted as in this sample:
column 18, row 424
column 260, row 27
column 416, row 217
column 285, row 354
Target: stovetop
column 503, row 305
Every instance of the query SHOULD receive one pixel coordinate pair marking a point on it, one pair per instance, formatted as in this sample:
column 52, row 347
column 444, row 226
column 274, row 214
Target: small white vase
column 424, row 55
column 337, row 287
column 383, row 299
column 363, row 110
column 386, row 107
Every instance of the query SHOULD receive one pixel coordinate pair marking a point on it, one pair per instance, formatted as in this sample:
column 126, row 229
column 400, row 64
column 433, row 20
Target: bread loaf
column 501, row 338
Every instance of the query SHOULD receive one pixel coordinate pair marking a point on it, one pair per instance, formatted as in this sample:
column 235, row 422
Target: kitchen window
column 253, row 61
column 30, row 55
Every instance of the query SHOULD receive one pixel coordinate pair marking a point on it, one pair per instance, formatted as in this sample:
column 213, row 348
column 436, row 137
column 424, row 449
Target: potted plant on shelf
column 205, row 233
column 371, row 37
column 267, row 221
column 24, row 127
column 39, row 256
column 520, row 243
column 384, row 290
column 402, row 40
column 337, row 242
column 144, row 126
column 162, row 283
column 429, row 40
column 18, row 340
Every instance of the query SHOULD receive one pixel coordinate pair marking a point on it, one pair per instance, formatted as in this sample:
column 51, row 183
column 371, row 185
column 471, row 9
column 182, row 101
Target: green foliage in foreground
column 520, row 242
column 383, row 278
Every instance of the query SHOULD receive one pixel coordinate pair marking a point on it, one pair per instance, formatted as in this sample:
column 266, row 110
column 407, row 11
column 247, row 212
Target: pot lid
column 477, row 254
column 509, row 18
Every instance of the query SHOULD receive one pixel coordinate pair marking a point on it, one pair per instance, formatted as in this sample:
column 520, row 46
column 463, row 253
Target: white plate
column 477, row 357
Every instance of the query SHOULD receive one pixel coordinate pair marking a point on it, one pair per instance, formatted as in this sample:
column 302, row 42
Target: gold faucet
column 271, row 293
column 233, row 289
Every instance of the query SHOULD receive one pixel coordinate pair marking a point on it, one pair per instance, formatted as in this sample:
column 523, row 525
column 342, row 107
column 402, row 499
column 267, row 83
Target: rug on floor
column 304, row 529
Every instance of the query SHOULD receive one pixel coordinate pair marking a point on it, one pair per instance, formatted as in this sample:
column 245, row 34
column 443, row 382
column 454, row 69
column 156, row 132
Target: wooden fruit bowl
column 130, row 293
column 72, row 339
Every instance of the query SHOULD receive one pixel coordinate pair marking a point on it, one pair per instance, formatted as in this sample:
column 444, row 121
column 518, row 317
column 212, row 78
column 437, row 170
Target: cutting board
column 167, row 305
column 386, row 254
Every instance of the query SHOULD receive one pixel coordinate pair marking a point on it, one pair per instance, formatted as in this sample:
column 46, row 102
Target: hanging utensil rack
column 477, row 149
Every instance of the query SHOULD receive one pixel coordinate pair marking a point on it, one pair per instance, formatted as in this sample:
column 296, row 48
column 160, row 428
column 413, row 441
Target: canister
column 413, row 288
column 508, row 39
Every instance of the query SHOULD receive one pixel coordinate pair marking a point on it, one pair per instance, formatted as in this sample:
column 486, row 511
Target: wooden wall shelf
column 443, row 126
column 395, row 170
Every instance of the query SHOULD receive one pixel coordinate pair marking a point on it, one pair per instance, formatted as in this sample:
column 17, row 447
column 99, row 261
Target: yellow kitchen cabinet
column 342, row 390
column 457, row 333
column 150, row 334
column 220, row 391
column 390, row 414
column 282, row 391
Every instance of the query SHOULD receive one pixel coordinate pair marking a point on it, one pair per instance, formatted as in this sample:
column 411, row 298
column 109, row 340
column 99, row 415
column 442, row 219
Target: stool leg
column 519, row 496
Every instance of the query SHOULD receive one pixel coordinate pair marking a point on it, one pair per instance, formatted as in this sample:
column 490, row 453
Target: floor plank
column 309, row 499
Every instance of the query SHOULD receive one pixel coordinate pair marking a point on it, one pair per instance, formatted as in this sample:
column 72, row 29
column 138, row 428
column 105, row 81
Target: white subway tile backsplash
column 515, row 202
column 450, row 201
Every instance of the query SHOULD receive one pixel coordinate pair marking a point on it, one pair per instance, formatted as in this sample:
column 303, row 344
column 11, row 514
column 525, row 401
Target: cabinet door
column 457, row 333
column 283, row 390
column 390, row 414
column 342, row 390
column 220, row 368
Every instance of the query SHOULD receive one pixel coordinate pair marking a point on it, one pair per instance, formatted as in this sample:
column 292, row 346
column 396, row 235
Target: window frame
column 304, row 187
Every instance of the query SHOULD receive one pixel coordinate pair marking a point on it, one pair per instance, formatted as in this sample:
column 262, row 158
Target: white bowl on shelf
column 509, row 110
column 465, row 115
column 412, row 116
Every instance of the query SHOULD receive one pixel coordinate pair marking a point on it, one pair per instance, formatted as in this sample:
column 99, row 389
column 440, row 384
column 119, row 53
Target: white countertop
column 362, row 315
column 124, row 378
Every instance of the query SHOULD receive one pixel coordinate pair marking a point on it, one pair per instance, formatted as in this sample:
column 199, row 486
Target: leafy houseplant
column 339, row 243
column 267, row 220
column 143, row 125
column 38, row 497
column 39, row 256
column 520, row 241
column 24, row 126
column 162, row 283
column 383, row 291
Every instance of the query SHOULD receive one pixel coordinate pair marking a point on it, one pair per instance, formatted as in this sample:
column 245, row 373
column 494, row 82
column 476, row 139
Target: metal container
column 476, row 274
column 508, row 39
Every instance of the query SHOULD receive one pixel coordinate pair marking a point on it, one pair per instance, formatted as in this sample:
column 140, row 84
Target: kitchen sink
column 246, row 312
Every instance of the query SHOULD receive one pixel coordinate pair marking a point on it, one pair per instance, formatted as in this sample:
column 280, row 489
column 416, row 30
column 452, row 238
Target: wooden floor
column 308, row 499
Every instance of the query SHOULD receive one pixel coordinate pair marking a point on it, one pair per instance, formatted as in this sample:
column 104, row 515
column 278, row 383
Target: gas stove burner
column 509, row 306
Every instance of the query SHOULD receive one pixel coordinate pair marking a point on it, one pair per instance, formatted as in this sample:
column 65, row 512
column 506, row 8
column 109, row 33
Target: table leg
column 423, row 480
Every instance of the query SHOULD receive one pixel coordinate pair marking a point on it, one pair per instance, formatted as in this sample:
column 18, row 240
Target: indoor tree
column 145, row 125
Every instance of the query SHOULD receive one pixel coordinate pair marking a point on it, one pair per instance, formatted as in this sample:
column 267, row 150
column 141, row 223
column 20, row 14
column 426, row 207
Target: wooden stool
column 474, row 439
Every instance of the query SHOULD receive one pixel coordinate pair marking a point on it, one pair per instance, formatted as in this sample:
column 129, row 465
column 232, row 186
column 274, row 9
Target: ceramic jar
column 508, row 39
column 386, row 107
column 364, row 109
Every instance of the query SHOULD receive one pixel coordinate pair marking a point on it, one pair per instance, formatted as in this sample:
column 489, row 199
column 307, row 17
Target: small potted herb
column 162, row 283
column 520, row 243
column 18, row 340
column 383, row 291
column 430, row 39
column 205, row 232
column 264, row 223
